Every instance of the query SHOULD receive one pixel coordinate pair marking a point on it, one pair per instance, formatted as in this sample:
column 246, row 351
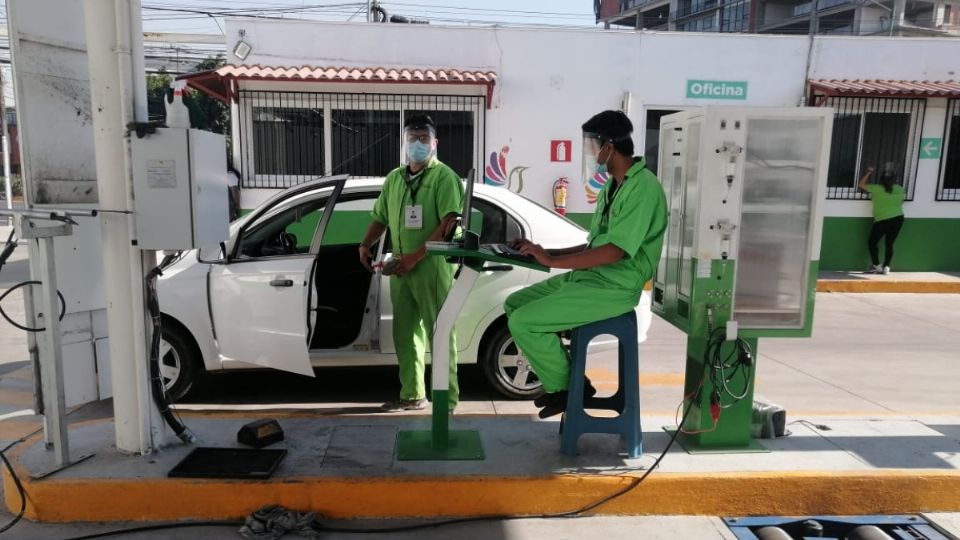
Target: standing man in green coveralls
column 419, row 202
column 609, row 272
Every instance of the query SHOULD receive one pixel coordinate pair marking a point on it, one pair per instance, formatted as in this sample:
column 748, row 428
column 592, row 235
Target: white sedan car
column 287, row 291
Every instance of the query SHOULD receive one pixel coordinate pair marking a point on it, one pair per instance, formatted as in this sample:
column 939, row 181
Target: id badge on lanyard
column 413, row 216
column 413, row 213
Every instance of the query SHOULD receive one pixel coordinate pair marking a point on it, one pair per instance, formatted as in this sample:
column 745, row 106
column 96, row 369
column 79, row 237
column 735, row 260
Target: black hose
column 20, row 491
column 63, row 306
column 156, row 381
column 8, row 249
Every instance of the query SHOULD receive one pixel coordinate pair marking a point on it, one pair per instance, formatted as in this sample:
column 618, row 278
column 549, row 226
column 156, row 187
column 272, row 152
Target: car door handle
column 497, row 268
column 280, row 282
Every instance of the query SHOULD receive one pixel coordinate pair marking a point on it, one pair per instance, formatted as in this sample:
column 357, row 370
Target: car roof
column 556, row 231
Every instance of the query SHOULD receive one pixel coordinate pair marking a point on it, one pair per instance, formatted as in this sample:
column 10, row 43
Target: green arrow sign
column 930, row 148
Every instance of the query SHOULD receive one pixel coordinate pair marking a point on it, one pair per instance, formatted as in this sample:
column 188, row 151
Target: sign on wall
column 560, row 151
column 702, row 89
column 930, row 148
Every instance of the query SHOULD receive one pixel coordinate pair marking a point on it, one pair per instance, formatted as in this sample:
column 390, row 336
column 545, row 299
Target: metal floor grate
column 836, row 528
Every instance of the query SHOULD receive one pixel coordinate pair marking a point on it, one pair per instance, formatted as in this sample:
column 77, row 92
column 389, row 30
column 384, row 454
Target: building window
column 365, row 142
column 287, row 138
column 949, row 187
column 873, row 132
column 292, row 139
column 735, row 17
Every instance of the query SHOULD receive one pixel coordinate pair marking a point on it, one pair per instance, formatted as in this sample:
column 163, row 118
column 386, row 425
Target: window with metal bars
column 873, row 132
column 948, row 189
column 287, row 138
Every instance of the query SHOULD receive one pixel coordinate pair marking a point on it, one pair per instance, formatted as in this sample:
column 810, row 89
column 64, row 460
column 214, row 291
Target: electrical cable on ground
column 162, row 527
column 16, row 481
column 420, row 526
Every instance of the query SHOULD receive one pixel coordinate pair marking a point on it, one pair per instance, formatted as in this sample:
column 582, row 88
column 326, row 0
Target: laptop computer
column 471, row 239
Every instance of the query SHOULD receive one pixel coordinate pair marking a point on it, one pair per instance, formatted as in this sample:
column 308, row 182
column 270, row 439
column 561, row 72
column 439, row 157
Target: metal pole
column 8, row 188
column 133, row 76
column 369, row 14
column 814, row 17
column 112, row 108
column 54, row 408
column 896, row 14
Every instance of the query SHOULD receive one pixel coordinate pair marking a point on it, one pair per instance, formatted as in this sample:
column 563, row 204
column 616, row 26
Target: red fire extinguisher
column 560, row 195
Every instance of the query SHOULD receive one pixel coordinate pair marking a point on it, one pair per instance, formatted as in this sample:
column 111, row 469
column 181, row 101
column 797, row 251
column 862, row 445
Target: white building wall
column 551, row 80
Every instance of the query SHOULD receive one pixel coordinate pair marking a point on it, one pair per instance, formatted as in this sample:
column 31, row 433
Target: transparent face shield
column 419, row 145
column 592, row 145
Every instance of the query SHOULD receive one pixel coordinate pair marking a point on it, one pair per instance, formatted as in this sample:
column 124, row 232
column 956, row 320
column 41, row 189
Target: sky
column 160, row 15
column 206, row 17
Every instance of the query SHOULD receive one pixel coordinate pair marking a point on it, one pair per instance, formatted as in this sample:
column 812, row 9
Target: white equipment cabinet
column 180, row 189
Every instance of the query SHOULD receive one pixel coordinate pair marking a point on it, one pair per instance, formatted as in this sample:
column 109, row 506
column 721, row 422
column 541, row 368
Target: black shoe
column 398, row 405
column 555, row 404
column 588, row 392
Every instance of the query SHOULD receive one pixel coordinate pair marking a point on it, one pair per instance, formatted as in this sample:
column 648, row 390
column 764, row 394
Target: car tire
column 506, row 368
column 180, row 363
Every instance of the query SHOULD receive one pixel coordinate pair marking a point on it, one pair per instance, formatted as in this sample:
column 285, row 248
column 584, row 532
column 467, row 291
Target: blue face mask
column 602, row 167
column 418, row 152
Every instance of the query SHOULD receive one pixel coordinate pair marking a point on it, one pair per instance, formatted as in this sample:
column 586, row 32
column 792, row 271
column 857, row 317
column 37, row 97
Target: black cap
column 613, row 125
column 419, row 121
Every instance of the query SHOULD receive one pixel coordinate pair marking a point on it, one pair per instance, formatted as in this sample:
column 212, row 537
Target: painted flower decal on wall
column 495, row 173
column 593, row 185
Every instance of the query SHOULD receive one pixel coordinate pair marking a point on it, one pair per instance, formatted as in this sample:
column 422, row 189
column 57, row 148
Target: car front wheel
column 506, row 368
column 179, row 362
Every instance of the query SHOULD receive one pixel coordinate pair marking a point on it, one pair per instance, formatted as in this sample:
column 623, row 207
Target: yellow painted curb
column 878, row 286
column 771, row 493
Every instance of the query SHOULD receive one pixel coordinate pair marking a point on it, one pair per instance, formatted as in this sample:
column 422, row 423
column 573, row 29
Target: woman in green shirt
column 887, row 197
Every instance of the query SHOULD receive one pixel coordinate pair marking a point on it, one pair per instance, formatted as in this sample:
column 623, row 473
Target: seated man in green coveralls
column 608, row 273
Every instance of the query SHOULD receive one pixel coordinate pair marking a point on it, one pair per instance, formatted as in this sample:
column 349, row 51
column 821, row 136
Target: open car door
column 259, row 298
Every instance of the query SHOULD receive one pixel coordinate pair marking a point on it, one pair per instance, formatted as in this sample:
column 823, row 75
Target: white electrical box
column 180, row 189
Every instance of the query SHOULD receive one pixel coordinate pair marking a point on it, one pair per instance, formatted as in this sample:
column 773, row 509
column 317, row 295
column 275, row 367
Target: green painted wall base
column 922, row 246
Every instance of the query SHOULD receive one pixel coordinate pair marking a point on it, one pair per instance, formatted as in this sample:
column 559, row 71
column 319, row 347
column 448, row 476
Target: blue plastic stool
column 626, row 401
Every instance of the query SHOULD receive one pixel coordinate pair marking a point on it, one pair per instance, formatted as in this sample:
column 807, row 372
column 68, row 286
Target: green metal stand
column 708, row 309
column 731, row 432
column 440, row 443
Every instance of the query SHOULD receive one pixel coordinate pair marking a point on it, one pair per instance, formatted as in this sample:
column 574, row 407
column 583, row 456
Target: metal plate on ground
column 835, row 527
column 461, row 445
column 237, row 463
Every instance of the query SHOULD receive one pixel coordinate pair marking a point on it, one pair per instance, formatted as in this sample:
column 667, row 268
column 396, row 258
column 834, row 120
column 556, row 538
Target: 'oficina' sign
column 716, row 89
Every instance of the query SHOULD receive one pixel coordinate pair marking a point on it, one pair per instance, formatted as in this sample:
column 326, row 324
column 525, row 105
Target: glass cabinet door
column 773, row 254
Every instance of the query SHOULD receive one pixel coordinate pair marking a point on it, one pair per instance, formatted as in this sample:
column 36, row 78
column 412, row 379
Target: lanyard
column 414, row 185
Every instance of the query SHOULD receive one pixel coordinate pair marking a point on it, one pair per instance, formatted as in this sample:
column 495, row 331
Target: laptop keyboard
column 505, row 249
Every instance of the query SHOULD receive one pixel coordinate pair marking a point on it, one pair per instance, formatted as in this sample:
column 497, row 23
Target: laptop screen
column 468, row 200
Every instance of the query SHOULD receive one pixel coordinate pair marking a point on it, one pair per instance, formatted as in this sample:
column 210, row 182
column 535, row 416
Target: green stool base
column 418, row 446
column 688, row 444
